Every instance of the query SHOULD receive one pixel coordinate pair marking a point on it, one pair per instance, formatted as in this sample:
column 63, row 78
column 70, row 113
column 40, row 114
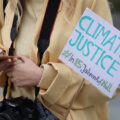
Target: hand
column 5, row 64
column 25, row 74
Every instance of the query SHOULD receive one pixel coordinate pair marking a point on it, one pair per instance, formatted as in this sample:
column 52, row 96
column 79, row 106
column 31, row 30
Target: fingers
column 10, row 72
column 10, row 69
column 1, row 51
column 21, row 57
column 5, row 64
column 14, row 59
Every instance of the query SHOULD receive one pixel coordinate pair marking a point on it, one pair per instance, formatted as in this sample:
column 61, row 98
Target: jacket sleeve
column 59, row 83
column 2, row 74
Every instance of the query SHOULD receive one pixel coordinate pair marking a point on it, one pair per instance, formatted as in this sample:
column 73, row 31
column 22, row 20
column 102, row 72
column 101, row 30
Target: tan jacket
column 59, row 83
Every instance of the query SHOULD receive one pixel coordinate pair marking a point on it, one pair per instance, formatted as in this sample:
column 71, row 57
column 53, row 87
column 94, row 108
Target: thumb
column 21, row 57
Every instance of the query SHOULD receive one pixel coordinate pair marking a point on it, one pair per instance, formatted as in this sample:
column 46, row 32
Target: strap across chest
column 48, row 23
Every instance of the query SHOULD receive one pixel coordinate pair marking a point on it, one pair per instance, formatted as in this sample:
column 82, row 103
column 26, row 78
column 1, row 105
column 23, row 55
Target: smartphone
column 4, row 57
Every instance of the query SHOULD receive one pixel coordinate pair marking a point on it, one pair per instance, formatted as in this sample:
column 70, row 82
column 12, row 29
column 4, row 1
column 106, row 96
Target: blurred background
column 114, row 105
column 115, row 9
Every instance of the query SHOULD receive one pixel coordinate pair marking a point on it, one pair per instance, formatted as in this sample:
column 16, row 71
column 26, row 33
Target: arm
column 59, row 83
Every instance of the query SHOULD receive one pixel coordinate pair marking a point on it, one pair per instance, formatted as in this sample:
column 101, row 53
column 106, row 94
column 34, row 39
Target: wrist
column 40, row 72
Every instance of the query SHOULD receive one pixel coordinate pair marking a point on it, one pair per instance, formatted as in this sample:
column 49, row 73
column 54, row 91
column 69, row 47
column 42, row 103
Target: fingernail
column 9, row 60
column 15, row 59
column 1, row 50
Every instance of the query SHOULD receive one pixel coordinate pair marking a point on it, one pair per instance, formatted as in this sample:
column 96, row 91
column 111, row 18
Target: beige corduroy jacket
column 59, row 83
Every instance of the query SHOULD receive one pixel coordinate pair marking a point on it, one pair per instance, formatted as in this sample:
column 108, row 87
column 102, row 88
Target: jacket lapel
column 1, row 13
column 12, row 20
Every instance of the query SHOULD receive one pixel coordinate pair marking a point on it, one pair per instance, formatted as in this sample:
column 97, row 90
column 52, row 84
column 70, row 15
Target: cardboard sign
column 93, row 51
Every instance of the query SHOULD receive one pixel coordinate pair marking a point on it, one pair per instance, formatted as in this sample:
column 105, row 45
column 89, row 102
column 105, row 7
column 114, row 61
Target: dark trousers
column 44, row 113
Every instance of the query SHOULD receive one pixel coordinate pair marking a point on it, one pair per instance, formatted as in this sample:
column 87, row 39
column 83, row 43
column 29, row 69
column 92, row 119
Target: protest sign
column 93, row 51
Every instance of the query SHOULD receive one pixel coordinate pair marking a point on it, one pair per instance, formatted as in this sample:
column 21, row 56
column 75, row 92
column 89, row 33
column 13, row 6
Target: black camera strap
column 13, row 34
column 4, row 5
column 48, row 23
column 43, row 42
column 47, row 26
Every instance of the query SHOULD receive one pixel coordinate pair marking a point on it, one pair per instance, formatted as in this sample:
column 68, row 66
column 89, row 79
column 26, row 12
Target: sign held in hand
column 93, row 51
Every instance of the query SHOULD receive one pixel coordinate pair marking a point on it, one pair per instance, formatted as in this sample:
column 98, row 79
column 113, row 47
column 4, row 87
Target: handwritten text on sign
column 93, row 51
